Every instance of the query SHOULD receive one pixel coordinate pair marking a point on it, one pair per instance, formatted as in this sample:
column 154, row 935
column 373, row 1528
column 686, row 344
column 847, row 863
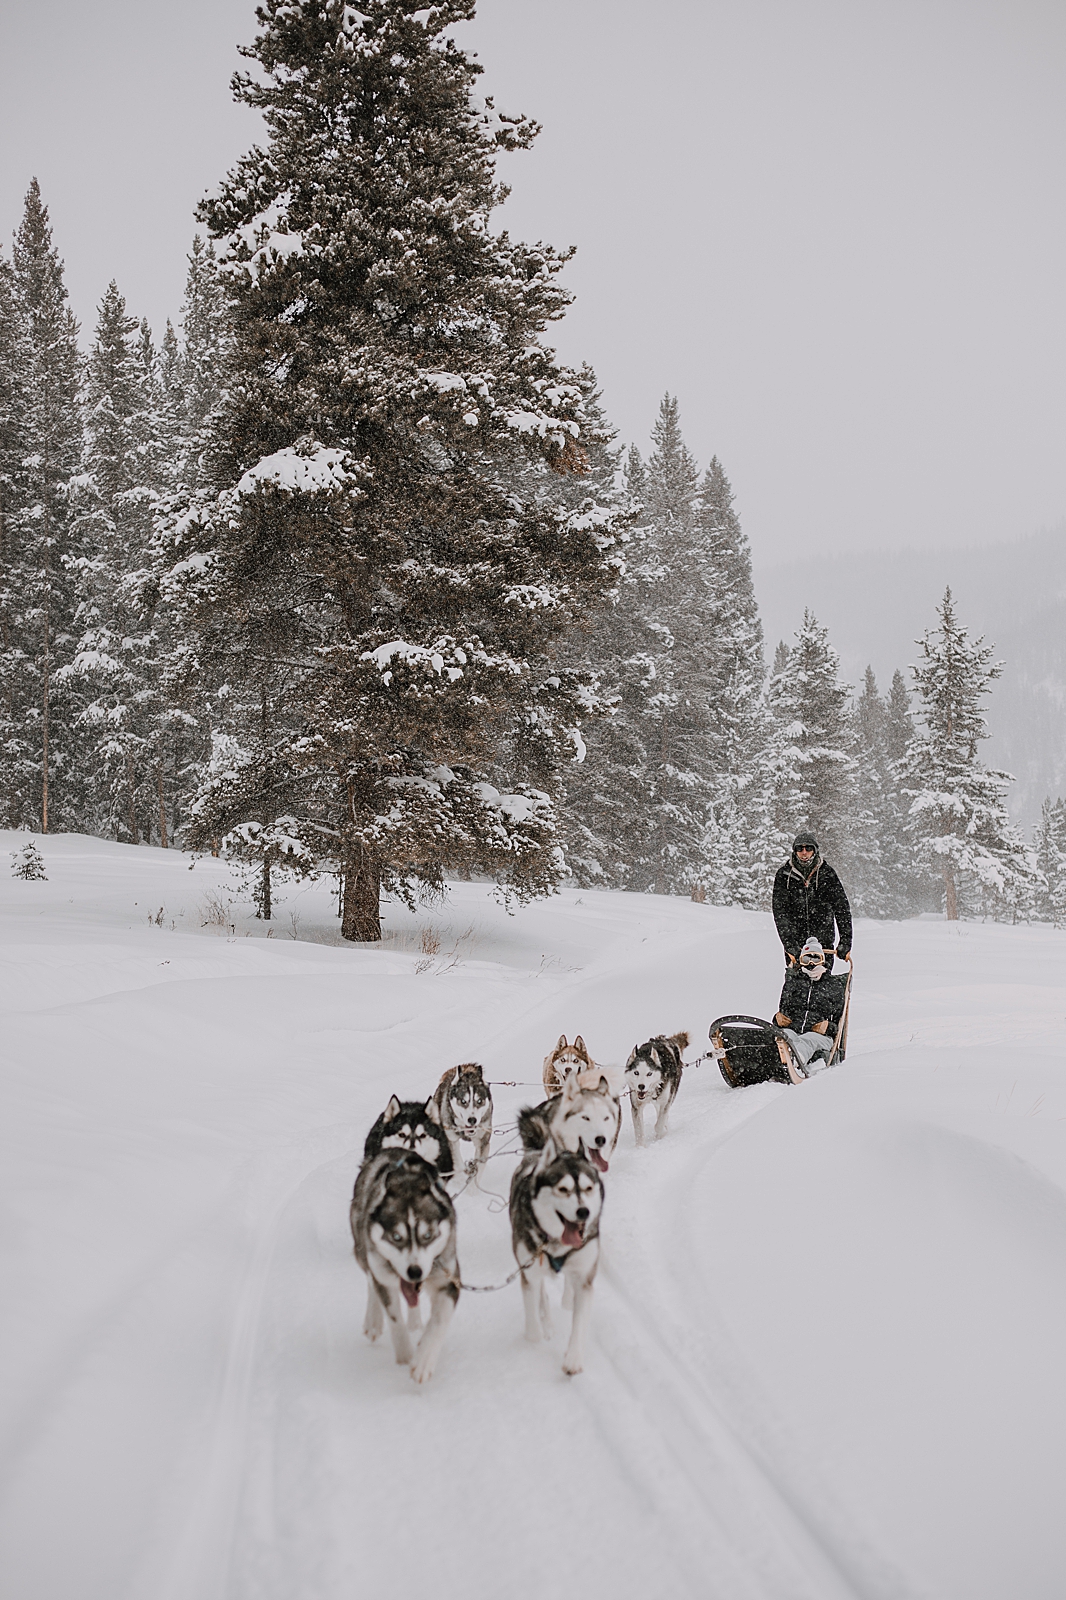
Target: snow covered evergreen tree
column 171, row 400
column 811, row 759
column 43, row 786
column 27, row 864
column 598, row 813
column 206, row 341
column 15, row 674
column 116, row 660
column 678, row 609
column 364, row 556
column 608, row 792
column 886, row 884
column 958, row 811
column 1049, row 846
column 736, row 868
column 669, row 778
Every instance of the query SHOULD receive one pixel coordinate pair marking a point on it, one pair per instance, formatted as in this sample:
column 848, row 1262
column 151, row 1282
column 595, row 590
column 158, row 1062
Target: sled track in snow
column 795, row 1536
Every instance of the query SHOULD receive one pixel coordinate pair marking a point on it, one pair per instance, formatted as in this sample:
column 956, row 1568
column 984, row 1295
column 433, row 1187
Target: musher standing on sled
column 810, row 906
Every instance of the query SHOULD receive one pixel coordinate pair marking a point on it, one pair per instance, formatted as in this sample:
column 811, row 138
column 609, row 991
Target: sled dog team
column 403, row 1218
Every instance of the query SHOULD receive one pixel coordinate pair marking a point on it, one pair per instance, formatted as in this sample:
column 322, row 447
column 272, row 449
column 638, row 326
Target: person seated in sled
column 810, row 903
column 811, row 1005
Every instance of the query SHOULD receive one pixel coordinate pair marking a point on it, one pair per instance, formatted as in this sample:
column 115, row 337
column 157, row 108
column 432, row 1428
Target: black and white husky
column 403, row 1230
column 556, row 1200
column 583, row 1119
column 464, row 1107
column 411, row 1125
column 653, row 1073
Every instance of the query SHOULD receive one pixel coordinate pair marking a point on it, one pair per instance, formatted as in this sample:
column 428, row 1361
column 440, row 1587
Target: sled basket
column 751, row 1050
column 747, row 1051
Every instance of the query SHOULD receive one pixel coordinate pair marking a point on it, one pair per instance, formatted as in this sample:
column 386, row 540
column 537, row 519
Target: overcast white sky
column 835, row 228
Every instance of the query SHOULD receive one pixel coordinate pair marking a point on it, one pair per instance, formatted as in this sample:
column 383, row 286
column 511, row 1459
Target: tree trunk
column 951, row 899
column 265, row 905
column 361, row 918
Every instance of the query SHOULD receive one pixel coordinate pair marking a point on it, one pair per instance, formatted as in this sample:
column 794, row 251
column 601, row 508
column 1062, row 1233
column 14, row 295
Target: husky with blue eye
column 403, row 1230
column 411, row 1125
column 464, row 1106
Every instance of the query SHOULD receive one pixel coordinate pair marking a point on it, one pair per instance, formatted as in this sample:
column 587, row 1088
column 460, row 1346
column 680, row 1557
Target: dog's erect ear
column 632, row 1059
column 655, row 1057
column 392, row 1109
column 562, row 1045
column 603, row 1087
column 431, row 1110
column 579, row 1045
column 549, row 1150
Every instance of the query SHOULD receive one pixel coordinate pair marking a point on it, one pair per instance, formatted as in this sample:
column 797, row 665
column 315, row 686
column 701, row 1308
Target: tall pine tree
column 117, row 660
column 16, row 682
column 679, row 600
column 1049, row 847
column 737, row 868
column 370, row 558
column 42, row 743
column 811, row 757
column 958, row 811
column 205, row 354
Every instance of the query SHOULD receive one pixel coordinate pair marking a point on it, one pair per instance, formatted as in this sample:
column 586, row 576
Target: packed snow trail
column 825, row 1356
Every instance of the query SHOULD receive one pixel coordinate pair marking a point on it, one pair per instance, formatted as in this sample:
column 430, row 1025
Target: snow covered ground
column 828, row 1350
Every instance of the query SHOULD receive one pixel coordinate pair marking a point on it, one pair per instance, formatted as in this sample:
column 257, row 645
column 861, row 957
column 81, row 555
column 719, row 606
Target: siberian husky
column 464, row 1107
column 653, row 1073
column 556, row 1200
column 583, row 1120
column 412, row 1125
column 563, row 1061
column 403, row 1229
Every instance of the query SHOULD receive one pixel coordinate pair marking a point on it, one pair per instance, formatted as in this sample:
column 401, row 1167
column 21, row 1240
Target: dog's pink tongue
column 598, row 1161
column 410, row 1291
column 572, row 1234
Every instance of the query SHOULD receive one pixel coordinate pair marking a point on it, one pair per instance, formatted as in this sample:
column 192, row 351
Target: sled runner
column 750, row 1050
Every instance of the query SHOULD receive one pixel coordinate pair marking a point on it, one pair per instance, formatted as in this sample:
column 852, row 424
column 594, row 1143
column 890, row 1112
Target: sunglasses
column 805, row 850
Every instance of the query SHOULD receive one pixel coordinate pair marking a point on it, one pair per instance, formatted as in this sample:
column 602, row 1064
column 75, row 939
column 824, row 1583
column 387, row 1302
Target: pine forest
column 345, row 573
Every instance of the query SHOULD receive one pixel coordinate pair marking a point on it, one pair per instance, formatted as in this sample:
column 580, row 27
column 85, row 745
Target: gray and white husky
column 411, row 1125
column 403, row 1229
column 653, row 1073
column 583, row 1117
column 464, row 1105
column 556, row 1200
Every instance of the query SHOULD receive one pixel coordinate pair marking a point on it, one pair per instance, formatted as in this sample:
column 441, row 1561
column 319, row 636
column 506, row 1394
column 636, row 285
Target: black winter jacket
column 809, row 909
column 805, row 1003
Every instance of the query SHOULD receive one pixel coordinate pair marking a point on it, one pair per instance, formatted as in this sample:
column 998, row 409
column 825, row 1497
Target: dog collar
column 557, row 1263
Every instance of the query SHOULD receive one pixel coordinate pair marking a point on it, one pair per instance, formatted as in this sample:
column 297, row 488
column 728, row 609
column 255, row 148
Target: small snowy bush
column 27, row 863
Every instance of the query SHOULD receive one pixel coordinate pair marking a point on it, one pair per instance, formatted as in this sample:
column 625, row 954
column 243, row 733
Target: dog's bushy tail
column 534, row 1128
column 679, row 1041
